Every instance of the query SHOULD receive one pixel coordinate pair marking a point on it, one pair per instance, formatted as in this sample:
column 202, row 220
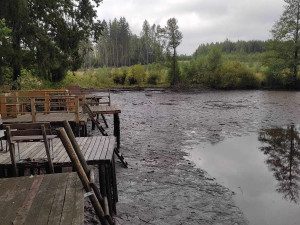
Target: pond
column 263, row 169
column 225, row 133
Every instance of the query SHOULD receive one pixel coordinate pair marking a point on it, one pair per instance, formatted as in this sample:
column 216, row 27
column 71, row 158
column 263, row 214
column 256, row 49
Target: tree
column 174, row 37
column 282, row 148
column 46, row 35
column 4, row 45
column 287, row 30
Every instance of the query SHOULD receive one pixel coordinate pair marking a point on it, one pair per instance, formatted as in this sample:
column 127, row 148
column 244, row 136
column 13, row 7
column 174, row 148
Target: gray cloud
column 200, row 21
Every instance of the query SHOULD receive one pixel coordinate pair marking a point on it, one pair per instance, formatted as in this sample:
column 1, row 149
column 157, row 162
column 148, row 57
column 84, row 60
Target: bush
column 154, row 77
column 136, row 75
column 233, row 75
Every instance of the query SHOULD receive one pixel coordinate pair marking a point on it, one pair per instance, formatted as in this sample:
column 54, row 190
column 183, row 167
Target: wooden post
column 33, row 111
column 12, row 152
column 14, row 107
column 47, row 103
column 47, row 147
column 77, row 115
column 117, row 128
column 83, row 177
column 109, row 97
column 3, row 106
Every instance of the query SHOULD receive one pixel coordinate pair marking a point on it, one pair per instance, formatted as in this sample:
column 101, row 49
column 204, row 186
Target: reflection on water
column 282, row 148
column 262, row 170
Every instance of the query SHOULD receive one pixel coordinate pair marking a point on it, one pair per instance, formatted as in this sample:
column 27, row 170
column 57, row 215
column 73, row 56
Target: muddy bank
column 161, row 186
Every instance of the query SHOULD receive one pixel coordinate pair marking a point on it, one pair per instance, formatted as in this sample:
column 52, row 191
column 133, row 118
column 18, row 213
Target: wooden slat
column 100, row 148
column 55, row 215
column 15, row 197
column 105, row 147
column 57, row 183
column 111, row 147
column 95, row 148
column 68, row 212
column 89, row 150
column 65, row 157
column 79, row 204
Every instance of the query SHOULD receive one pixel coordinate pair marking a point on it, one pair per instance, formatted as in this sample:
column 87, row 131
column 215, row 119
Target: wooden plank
column 15, row 197
column 55, row 215
column 66, row 157
column 100, row 148
column 68, row 212
column 105, row 147
column 47, row 198
column 91, row 146
column 111, row 147
column 79, row 204
column 95, row 148
column 24, row 209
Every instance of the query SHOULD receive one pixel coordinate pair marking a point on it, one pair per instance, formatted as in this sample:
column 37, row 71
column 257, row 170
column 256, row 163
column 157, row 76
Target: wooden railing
column 49, row 101
column 12, row 106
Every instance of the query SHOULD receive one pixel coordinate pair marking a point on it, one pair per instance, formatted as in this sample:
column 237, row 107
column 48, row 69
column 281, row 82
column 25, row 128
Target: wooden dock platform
column 96, row 149
column 44, row 199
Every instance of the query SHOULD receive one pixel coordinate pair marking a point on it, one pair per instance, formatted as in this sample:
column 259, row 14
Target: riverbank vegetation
column 119, row 58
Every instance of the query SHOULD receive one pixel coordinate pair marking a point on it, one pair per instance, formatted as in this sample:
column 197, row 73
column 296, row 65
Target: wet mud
column 161, row 186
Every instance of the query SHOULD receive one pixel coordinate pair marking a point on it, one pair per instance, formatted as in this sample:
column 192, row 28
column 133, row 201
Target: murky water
column 264, row 177
column 236, row 136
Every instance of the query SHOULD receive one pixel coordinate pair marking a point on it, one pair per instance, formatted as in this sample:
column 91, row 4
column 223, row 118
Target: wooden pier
column 43, row 199
column 97, row 150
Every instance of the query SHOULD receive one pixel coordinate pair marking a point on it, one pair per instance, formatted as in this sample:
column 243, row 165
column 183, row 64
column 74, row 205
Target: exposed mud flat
column 161, row 186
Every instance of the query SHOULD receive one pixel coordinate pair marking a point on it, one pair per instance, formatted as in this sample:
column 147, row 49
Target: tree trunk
column 295, row 72
column 16, row 61
column 174, row 67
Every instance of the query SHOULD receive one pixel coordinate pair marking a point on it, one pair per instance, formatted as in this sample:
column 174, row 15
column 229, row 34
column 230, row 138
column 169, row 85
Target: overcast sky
column 200, row 21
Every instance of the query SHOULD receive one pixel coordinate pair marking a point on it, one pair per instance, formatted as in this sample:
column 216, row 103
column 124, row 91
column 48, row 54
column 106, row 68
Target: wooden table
column 44, row 199
column 110, row 109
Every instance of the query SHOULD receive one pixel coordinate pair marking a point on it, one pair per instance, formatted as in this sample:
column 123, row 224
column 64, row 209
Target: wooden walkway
column 96, row 149
column 43, row 199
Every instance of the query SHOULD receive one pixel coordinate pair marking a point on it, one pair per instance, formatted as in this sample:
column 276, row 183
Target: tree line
column 244, row 47
column 118, row 46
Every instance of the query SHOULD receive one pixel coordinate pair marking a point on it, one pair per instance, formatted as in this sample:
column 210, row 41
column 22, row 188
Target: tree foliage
column 286, row 33
column 174, row 36
column 46, row 35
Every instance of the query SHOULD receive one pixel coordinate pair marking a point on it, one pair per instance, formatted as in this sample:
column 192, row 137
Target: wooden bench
column 25, row 132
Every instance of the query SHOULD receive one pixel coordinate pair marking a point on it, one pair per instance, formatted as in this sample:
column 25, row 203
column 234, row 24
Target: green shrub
column 154, row 77
column 233, row 75
column 136, row 75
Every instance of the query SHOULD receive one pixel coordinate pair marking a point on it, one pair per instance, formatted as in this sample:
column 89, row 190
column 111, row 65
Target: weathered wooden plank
column 68, row 211
column 55, row 215
column 100, row 149
column 88, row 152
column 105, row 147
column 65, row 157
column 79, row 204
column 15, row 197
column 95, row 148
column 111, row 147
column 25, row 208
column 43, row 214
